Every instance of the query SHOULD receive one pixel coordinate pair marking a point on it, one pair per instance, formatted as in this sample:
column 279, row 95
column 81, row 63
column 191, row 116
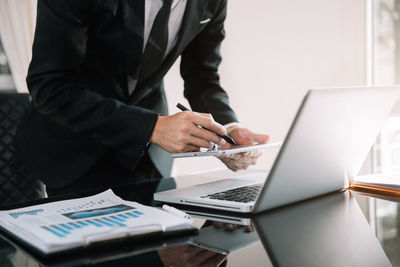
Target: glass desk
column 327, row 231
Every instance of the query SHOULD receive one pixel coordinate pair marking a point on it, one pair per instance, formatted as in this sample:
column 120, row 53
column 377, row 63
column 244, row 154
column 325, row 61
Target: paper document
column 67, row 224
column 383, row 182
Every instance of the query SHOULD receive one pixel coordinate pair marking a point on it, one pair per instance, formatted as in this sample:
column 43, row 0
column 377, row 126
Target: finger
column 204, row 115
column 234, row 160
column 247, row 157
column 253, row 153
column 206, row 135
column 188, row 148
column 235, row 156
column 231, row 167
column 231, row 164
column 198, row 142
column 209, row 123
column 226, row 145
column 242, row 166
column 258, row 138
column 237, row 166
column 249, row 160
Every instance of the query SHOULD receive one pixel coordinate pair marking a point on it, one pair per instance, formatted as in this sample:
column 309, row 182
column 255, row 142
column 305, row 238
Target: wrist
column 154, row 138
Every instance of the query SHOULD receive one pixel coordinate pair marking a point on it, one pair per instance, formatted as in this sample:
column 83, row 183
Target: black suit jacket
column 83, row 52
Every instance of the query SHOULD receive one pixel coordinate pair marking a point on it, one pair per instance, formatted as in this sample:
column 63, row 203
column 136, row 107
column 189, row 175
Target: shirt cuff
column 232, row 124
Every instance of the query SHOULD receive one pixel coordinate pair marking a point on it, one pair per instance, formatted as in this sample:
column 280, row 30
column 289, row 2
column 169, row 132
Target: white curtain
column 17, row 24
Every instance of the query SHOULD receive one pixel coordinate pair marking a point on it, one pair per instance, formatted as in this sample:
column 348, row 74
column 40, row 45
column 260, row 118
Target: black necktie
column 156, row 46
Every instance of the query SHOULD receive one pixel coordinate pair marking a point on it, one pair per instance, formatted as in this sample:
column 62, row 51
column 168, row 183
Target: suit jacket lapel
column 190, row 22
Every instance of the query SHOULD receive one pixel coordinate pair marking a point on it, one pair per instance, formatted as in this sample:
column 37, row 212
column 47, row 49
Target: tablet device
column 222, row 152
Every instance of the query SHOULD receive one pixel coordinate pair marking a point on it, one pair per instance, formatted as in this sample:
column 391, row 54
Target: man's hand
column 243, row 136
column 181, row 132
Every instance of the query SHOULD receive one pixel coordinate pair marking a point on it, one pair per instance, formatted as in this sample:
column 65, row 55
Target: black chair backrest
column 16, row 185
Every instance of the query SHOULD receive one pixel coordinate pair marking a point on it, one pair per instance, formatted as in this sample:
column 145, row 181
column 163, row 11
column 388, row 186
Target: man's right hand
column 181, row 132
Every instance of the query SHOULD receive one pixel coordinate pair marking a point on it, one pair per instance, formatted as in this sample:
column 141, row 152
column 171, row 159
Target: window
column 385, row 66
column 384, row 59
column 6, row 80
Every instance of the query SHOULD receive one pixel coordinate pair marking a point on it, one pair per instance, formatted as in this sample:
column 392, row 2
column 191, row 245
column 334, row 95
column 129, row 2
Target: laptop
column 329, row 138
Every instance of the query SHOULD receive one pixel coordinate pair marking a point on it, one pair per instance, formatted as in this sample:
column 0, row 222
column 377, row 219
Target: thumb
column 259, row 138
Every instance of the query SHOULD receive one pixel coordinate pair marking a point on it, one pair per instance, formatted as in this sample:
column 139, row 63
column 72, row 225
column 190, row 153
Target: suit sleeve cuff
column 232, row 124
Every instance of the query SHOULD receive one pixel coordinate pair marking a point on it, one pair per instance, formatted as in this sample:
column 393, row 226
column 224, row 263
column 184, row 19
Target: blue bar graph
column 59, row 229
column 116, row 220
column 104, row 222
column 15, row 215
column 133, row 215
column 75, row 225
column 123, row 216
column 94, row 223
column 53, row 232
column 67, row 227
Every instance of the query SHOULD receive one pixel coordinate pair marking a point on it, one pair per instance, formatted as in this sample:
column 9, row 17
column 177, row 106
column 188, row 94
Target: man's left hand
column 243, row 136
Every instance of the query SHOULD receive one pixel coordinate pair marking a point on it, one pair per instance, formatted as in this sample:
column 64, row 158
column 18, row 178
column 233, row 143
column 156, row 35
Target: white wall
column 274, row 51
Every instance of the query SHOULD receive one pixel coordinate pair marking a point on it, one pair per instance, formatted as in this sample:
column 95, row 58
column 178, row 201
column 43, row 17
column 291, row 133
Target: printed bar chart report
column 73, row 223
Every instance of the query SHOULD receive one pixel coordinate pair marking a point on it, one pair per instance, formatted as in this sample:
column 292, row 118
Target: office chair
column 16, row 185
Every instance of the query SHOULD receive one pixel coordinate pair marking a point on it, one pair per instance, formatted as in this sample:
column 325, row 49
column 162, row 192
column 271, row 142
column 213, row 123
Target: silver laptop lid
column 327, row 143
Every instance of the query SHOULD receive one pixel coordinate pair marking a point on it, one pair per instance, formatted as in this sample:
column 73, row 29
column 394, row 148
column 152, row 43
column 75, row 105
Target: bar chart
column 108, row 221
column 15, row 215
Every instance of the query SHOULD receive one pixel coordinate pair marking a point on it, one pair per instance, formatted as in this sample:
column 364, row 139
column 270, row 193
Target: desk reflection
column 328, row 231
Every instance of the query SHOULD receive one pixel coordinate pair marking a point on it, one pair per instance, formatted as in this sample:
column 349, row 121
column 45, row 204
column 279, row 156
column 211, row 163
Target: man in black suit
column 99, row 116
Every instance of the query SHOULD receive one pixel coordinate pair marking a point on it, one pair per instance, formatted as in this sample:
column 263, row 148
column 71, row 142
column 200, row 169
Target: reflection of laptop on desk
column 224, row 242
column 326, row 231
column 328, row 140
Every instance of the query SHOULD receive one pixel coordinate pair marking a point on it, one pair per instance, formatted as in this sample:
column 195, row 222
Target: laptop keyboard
column 243, row 194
